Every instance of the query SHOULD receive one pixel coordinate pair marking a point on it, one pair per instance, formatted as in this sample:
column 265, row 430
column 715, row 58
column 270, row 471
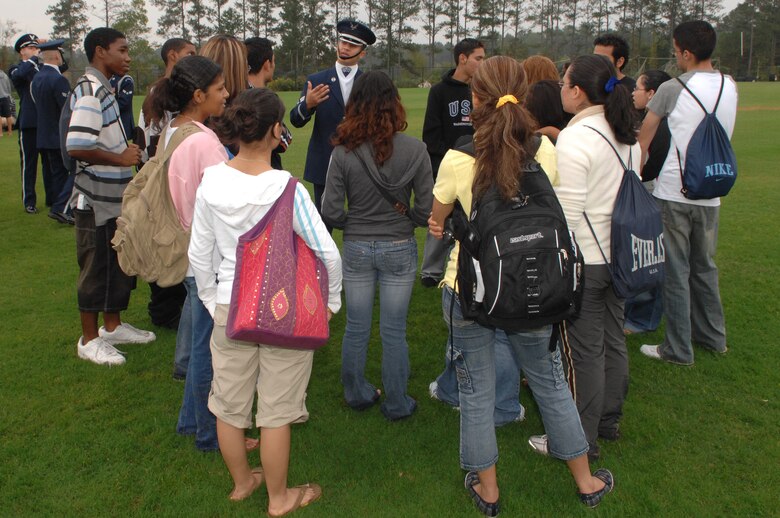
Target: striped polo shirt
column 94, row 125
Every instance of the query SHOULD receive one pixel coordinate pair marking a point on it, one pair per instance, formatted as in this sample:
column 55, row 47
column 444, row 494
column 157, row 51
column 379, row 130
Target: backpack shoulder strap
column 587, row 220
column 630, row 151
column 184, row 131
column 720, row 93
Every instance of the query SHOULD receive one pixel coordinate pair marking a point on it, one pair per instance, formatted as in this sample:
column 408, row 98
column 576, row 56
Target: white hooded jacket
column 227, row 205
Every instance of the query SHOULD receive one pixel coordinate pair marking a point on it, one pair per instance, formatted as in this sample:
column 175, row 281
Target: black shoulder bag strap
column 397, row 204
column 625, row 169
column 714, row 110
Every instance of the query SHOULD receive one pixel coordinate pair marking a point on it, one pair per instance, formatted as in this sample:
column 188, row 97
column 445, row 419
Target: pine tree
column 70, row 22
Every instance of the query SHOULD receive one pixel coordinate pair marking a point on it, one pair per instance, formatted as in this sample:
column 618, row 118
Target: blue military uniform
column 329, row 113
column 49, row 91
column 21, row 76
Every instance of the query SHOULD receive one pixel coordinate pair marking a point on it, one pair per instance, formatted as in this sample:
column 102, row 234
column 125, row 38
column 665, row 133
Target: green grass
column 80, row 439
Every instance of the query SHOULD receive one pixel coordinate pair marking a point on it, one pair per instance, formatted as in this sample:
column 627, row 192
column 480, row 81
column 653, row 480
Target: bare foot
column 251, row 443
column 297, row 497
column 240, row 492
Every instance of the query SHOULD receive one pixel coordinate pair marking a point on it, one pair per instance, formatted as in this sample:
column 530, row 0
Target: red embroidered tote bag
column 280, row 288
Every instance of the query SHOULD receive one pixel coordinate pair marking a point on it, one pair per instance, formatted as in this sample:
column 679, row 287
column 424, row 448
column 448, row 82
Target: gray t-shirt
column 684, row 115
column 5, row 85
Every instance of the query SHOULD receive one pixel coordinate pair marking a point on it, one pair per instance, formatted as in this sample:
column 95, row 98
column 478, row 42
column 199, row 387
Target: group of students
column 225, row 174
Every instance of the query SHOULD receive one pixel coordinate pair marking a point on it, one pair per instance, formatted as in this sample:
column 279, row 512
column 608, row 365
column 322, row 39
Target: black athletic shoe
column 30, row 209
column 429, row 282
column 61, row 217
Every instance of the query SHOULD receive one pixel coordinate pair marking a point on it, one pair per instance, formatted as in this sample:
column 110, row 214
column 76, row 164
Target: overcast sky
column 29, row 16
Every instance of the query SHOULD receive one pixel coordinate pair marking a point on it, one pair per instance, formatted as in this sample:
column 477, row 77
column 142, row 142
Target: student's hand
column 130, row 156
column 330, row 314
column 435, row 229
column 314, row 96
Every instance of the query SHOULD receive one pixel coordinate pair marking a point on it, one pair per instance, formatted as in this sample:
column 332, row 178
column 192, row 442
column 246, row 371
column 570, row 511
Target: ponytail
column 503, row 128
column 621, row 115
column 597, row 77
column 250, row 116
column 174, row 93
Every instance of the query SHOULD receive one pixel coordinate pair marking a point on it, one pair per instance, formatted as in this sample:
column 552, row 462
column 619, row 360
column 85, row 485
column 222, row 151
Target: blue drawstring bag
column 710, row 168
column 636, row 235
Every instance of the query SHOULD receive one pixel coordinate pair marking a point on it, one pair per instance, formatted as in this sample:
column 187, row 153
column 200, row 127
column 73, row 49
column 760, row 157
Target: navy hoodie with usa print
column 447, row 117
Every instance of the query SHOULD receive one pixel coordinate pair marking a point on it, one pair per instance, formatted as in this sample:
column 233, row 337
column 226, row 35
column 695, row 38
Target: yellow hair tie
column 506, row 99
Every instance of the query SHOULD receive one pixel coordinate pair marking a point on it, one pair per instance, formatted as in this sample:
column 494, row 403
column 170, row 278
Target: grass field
column 77, row 439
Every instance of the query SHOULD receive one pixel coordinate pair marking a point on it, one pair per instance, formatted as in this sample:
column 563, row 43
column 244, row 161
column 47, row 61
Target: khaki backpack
column 149, row 240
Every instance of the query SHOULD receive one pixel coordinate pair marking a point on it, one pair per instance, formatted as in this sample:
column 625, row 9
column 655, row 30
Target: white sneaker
column 539, row 444
column 651, row 351
column 432, row 388
column 99, row 351
column 126, row 334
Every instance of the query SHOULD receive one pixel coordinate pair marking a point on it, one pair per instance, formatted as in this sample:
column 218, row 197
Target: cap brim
column 349, row 38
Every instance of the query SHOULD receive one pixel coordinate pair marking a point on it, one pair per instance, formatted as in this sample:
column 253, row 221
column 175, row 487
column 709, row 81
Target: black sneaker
column 62, row 217
column 593, row 499
column 609, row 434
column 429, row 282
column 30, row 209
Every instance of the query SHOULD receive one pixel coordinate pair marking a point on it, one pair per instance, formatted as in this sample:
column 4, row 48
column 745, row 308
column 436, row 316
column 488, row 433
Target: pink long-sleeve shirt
column 186, row 167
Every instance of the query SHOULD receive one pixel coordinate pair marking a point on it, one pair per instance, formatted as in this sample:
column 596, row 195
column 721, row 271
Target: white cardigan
column 589, row 179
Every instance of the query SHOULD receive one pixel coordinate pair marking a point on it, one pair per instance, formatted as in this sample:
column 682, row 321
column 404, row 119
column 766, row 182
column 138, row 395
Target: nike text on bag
column 149, row 240
column 710, row 168
column 636, row 236
column 518, row 267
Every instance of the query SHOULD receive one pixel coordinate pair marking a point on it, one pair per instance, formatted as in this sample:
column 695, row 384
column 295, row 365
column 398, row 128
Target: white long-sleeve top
column 227, row 205
column 589, row 179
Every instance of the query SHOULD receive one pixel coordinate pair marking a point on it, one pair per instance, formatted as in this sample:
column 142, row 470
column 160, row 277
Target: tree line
column 304, row 29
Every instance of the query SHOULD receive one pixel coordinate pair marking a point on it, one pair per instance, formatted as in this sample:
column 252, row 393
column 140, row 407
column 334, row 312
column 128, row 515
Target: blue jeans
column 194, row 416
column 475, row 363
column 181, row 355
column 435, row 255
column 692, row 305
column 393, row 264
column 508, row 407
column 643, row 312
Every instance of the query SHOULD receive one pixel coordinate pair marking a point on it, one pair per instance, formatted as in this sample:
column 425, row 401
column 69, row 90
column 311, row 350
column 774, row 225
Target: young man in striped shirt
column 105, row 159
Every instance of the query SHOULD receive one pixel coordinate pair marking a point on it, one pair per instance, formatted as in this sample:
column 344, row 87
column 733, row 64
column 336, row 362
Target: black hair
column 544, row 103
column 173, row 44
column 618, row 44
column 466, row 46
column 697, row 37
column 591, row 73
column 174, row 93
column 100, row 37
column 259, row 50
column 250, row 115
column 654, row 79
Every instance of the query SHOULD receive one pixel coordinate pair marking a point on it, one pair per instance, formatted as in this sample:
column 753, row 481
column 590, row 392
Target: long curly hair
column 373, row 114
column 503, row 135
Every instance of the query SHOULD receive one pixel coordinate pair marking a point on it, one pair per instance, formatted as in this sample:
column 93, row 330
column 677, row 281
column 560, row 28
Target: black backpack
column 64, row 124
column 636, row 235
column 710, row 168
column 519, row 267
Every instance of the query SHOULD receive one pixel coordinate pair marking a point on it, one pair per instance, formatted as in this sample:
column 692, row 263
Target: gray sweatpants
column 595, row 346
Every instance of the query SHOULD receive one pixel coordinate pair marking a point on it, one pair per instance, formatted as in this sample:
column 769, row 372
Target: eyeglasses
column 637, row 89
column 561, row 84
